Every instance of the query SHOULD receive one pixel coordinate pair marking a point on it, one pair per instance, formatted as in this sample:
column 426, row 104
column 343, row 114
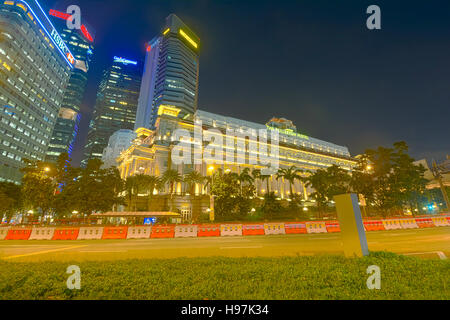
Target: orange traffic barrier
column 208, row 230
column 333, row 227
column 66, row 234
column 163, row 232
column 374, row 225
column 115, row 233
column 425, row 222
column 18, row 234
column 253, row 229
column 295, row 227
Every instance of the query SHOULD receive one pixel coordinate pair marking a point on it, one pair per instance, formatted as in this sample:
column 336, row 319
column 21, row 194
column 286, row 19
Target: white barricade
column 316, row 227
column 408, row 223
column 440, row 222
column 186, row 231
column 392, row 224
column 4, row 232
column 42, row 234
column 90, row 233
column 140, row 232
column 230, row 230
column 274, row 228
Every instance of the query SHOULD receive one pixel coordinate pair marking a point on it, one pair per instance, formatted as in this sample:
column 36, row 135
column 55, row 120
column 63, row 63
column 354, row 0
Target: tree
column 10, row 199
column 290, row 174
column 135, row 185
column 231, row 202
column 171, row 177
column 389, row 179
column 328, row 183
column 191, row 179
column 243, row 178
column 95, row 189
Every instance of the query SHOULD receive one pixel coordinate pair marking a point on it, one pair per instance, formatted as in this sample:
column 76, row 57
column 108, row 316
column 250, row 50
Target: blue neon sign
column 124, row 61
column 63, row 49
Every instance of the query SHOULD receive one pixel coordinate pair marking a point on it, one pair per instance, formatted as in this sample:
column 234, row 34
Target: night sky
column 313, row 62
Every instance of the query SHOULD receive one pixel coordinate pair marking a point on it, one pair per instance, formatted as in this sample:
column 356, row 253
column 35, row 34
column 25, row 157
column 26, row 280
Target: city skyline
column 343, row 97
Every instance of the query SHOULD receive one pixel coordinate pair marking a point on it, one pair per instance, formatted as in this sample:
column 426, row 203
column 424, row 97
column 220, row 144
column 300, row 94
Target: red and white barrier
column 440, row 222
column 186, row 231
column 295, row 228
column 42, row 234
column 392, row 224
column 274, row 228
column 140, row 232
column 90, row 233
column 408, row 224
column 316, row 227
column 230, row 230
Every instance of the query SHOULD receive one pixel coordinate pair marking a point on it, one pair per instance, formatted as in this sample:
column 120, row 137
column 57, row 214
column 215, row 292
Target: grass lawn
column 287, row 278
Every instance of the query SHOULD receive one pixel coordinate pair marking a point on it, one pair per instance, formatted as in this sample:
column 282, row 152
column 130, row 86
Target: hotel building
column 151, row 152
column 35, row 66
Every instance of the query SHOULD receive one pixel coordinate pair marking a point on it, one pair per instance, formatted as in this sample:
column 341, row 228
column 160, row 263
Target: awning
column 136, row 214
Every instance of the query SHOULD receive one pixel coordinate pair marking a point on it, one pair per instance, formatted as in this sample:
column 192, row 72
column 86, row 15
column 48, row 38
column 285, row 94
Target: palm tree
column 256, row 174
column 171, row 177
column 290, row 174
column 244, row 177
column 191, row 179
column 133, row 186
column 266, row 177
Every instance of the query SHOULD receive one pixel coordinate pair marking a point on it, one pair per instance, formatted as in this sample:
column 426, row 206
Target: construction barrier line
column 231, row 230
column 66, row 234
column 115, row 233
column 139, row 232
column 42, row 234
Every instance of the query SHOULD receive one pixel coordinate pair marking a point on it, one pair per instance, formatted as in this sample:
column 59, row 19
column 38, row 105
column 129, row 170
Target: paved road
column 426, row 243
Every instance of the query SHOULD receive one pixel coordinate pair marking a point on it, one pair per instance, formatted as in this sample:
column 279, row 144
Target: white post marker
column 352, row 227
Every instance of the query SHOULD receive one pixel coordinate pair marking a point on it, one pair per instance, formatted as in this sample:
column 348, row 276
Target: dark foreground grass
column 317, row 277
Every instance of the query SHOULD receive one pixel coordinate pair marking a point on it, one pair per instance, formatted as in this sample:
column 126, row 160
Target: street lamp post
column 211, row 196
column 438, row 176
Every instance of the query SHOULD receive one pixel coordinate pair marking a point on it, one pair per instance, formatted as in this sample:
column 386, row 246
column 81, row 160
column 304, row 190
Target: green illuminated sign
column 289, row 132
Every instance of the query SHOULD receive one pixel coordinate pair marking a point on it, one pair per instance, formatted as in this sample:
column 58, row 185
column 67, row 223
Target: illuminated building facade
column 120, row 141
column 80, row 43
column 116, row 105
column 171, row 73
column 151, row 152
column 35, row 66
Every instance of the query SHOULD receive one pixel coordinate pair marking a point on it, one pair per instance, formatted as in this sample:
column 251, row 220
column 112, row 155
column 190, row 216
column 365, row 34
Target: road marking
column 102, row 251
column 253, row 247
column 441, row 255
column 41, row 252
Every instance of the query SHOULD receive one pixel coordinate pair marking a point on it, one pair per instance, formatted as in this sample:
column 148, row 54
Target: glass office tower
column 80, row 43
column 116, row 105
column 35, row 66
column 171, row 73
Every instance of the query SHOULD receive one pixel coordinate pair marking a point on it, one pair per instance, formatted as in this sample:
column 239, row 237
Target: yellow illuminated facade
column 184, row 35
column 151, row 152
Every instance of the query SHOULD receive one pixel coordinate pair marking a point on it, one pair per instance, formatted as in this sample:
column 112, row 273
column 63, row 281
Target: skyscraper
column 171, row 73
column 115, row 108
column 35, row 66
column 80, row 43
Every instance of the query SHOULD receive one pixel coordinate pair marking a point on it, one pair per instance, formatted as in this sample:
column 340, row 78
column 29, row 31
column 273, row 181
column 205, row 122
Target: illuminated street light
column 46, row 169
